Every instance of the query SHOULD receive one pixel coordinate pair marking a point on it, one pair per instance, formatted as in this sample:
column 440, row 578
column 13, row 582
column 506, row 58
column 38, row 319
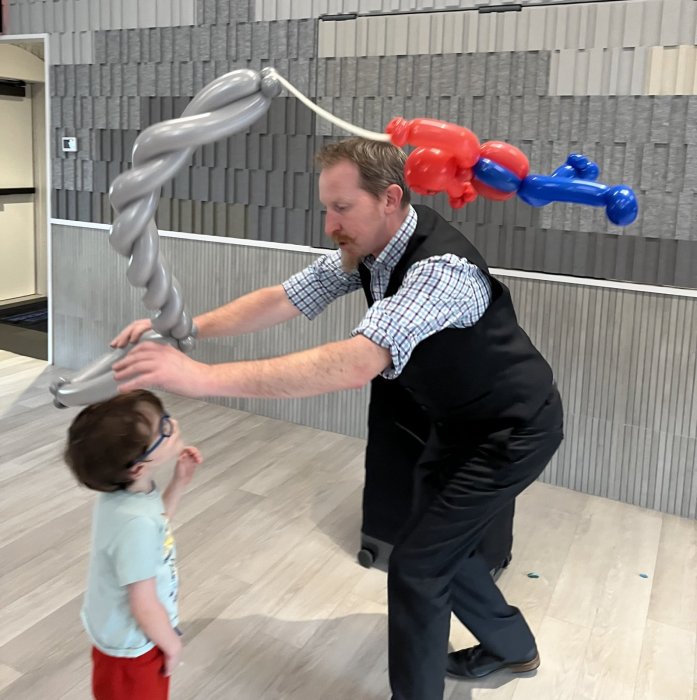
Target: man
column 443, row 334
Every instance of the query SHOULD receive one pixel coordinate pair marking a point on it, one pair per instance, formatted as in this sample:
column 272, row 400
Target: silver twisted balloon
column 225, row 106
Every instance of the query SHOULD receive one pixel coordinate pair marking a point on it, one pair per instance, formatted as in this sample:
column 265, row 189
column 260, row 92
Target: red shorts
column 139, row 678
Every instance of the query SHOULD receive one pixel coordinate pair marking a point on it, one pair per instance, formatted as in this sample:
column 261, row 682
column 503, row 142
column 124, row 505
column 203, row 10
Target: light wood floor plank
column 674, row 592
column 7, row 675
column 666, row 666
column 610, row 665
column 563, row 648
column 604, row 564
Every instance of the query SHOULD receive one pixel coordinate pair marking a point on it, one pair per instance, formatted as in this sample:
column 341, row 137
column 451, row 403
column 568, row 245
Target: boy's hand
column 173, row 658
column 189, row 459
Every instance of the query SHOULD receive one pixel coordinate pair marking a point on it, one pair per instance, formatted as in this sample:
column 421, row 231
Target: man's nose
column 331, row 224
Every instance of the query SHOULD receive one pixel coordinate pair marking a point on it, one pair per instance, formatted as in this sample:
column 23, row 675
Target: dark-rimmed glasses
column 166, row 430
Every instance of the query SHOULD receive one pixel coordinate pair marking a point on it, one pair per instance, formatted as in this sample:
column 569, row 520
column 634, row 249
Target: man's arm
column 249, row 313
column 347, row 364
column 308, row 292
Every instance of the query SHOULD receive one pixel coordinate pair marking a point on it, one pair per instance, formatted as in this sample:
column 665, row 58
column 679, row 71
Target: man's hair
column 380, row 164
column 105, row 439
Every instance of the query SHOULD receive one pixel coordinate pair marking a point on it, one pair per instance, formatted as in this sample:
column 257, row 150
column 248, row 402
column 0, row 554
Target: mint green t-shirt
column 131, row 541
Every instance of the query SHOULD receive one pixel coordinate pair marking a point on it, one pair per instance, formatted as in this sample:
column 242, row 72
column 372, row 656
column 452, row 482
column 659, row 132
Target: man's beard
column 349, row 261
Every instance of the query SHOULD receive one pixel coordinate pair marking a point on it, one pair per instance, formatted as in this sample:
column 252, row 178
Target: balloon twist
column 225, row 106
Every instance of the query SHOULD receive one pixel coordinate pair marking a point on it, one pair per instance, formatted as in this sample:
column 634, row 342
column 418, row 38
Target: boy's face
column 165, row 438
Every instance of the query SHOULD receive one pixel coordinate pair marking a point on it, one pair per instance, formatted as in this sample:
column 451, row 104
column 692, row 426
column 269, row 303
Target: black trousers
column 434, row 569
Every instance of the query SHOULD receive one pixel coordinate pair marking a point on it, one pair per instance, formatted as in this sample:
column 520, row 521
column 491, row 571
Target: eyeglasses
column 166, row 430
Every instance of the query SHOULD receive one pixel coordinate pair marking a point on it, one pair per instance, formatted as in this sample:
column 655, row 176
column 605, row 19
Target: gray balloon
column 227, row 105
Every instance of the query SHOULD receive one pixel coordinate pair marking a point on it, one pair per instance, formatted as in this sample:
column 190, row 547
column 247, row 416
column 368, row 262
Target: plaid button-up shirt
column 444, row 291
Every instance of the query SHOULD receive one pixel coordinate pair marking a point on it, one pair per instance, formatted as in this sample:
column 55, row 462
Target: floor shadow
column 258, row 657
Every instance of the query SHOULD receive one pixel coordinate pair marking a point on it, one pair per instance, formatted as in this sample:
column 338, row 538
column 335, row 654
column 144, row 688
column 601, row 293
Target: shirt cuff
column 383, row 340
column 301, row 301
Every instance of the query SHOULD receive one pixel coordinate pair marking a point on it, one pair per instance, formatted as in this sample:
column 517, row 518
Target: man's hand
column 131, row 333
column 161, row 366
column 189, row 459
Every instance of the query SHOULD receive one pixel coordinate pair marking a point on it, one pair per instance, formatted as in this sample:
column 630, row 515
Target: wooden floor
column 272, row 601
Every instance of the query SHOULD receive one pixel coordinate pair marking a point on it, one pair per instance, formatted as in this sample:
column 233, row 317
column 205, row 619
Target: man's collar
column 394, row 250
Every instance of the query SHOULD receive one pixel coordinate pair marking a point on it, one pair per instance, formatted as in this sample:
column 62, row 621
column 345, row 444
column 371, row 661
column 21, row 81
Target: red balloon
column 506, row 155
column 509, row 157
column 432, row 170
column 491, row 192
column 429, row 170
column 433, row 133
column 468, row 195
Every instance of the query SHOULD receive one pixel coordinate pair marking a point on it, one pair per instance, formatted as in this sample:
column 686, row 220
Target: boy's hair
column 105, row 439
column 380, row 164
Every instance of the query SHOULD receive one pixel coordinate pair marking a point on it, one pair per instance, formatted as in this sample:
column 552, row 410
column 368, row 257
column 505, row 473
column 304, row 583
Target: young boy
column 130, row 607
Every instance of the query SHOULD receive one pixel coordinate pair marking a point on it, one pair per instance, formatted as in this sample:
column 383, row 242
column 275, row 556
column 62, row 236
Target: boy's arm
column 152, row 618
column 172, row 495
column 188, row 460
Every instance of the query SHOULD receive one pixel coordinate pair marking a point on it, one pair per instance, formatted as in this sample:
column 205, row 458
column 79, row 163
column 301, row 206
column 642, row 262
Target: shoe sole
column 524, row 667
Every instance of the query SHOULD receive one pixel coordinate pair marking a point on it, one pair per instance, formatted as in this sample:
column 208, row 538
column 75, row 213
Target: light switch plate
column 69, row 144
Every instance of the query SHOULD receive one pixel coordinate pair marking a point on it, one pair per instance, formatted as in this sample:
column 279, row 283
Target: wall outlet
column 69, row 144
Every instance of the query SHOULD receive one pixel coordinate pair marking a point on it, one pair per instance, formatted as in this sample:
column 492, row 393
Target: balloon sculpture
column 447, row 158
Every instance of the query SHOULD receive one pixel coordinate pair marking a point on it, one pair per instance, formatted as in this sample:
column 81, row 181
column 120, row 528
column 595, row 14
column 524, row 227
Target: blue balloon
column 619, row 201
column 578, row 166
column 575, row 181
column 622, row 207
column 495, row 175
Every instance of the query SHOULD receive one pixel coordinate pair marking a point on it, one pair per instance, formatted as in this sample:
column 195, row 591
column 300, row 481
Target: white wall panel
column 621, row 24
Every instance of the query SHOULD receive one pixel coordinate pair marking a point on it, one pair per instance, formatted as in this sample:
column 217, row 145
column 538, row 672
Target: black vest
column 489, row 376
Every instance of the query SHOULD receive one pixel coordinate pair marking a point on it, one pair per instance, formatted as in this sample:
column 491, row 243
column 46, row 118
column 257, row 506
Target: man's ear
column 393, row 197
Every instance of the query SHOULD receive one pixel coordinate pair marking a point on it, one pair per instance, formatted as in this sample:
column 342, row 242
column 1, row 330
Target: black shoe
column 476, row 662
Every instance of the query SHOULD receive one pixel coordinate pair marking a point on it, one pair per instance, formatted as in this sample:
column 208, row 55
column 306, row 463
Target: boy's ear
column 136, row 471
